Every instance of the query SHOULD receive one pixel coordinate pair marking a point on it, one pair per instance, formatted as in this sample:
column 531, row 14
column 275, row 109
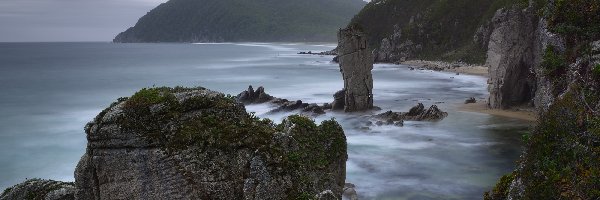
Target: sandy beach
column 461, row 68
column 481, row 105
column 516, row 113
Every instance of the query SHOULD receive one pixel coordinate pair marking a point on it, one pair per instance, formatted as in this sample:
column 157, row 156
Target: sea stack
column 356, row 63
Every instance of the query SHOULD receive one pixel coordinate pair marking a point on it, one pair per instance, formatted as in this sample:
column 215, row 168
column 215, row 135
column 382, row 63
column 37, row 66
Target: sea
column 49, row 91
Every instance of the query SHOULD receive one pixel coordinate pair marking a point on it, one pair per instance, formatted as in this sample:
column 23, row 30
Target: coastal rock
column 511, row 57
column 339, row 100
column 470, row 100
column 356, row 63
column 193, row 143
column 40, row 189
column 416, row 113
column 350, row 191
column 250, row 96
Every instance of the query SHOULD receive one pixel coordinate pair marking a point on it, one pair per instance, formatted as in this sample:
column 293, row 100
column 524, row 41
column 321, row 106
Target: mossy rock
column 210, row 136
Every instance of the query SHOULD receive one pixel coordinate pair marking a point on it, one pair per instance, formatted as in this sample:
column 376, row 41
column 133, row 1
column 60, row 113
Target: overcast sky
column 69, row 20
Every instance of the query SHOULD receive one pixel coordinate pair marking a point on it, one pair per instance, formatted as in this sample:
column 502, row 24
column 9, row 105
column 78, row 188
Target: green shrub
column 553, row 61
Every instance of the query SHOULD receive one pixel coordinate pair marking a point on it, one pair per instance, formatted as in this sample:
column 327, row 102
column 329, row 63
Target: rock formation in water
column 416, row 113
column 260, row 96
column 250, row 96
column 40, row 189
column 356, row 63
column 193, row 143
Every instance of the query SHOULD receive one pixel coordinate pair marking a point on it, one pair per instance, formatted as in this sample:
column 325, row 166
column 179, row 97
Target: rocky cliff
column 562, row 50
column 193, row 143
column 428, row 29
column 511, row 57
column 356, row 63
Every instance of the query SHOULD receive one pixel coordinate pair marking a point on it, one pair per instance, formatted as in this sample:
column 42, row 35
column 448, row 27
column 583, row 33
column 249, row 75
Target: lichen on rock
column 193, row 143
column 39, row 189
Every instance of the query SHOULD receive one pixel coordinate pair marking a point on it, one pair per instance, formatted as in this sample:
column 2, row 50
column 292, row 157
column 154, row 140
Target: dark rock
column 470, row 100
column 416, row 110
column 416, row 113
column 339, row 101
column 250, row 96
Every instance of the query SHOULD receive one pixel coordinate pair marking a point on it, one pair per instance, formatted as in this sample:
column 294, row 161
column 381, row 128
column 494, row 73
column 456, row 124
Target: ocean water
column 51, row 90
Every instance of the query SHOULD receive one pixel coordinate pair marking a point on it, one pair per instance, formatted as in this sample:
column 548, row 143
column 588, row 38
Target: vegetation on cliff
column 562, row 156
column 436, row 29
column 243, row 21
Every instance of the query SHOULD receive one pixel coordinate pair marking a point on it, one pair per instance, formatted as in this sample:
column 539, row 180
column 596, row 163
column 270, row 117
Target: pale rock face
column 511, row 58
column 356, row 63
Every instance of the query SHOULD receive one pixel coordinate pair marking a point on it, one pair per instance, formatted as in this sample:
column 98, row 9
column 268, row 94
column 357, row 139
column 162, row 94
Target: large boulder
column 356, row 63
column 182, row 143
column 40, row 189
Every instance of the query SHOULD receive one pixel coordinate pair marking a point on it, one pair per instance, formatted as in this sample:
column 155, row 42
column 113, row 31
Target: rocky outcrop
column 260, row 96
column 416, row 113
column 395, row 48
column 356, row 63
column 40, row 189
column 180, row 143
column 250, row 96
column 511, row 58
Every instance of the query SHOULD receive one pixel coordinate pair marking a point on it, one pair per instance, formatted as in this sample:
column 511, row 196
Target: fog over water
column 51, row 90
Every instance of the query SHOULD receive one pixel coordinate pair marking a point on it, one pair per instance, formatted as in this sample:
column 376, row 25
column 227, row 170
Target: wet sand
column 516, row 113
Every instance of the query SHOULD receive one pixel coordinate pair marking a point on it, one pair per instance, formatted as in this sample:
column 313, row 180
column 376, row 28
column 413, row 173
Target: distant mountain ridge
column 243, row 21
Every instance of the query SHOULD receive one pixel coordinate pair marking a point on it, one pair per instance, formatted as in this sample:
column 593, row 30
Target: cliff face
column 561, row 159
column 198, row 144
column 193, row 143
column 356, row 63
column 511, row 57
column 428, row 29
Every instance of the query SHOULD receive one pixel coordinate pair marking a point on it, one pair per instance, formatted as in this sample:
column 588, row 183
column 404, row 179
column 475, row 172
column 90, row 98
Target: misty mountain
column 243, row 21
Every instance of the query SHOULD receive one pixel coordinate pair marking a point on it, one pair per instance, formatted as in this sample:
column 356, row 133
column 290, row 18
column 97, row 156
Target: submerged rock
column 181, row 143
column 40, row 189
column 356, row 63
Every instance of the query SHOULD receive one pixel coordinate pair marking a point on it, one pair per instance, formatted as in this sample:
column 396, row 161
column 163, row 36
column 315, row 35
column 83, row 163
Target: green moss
column 220, row 123
column 500, row 191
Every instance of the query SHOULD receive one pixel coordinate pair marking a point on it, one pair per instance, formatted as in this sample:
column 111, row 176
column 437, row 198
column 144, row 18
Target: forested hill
column 243, row 21
column 429, row 29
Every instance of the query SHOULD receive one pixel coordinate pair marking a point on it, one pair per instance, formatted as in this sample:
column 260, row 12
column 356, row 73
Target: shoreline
column 526, row 114
column 461, row 68
column 480, row 106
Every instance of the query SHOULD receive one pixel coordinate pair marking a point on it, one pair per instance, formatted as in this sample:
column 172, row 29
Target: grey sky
column 69, row 20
